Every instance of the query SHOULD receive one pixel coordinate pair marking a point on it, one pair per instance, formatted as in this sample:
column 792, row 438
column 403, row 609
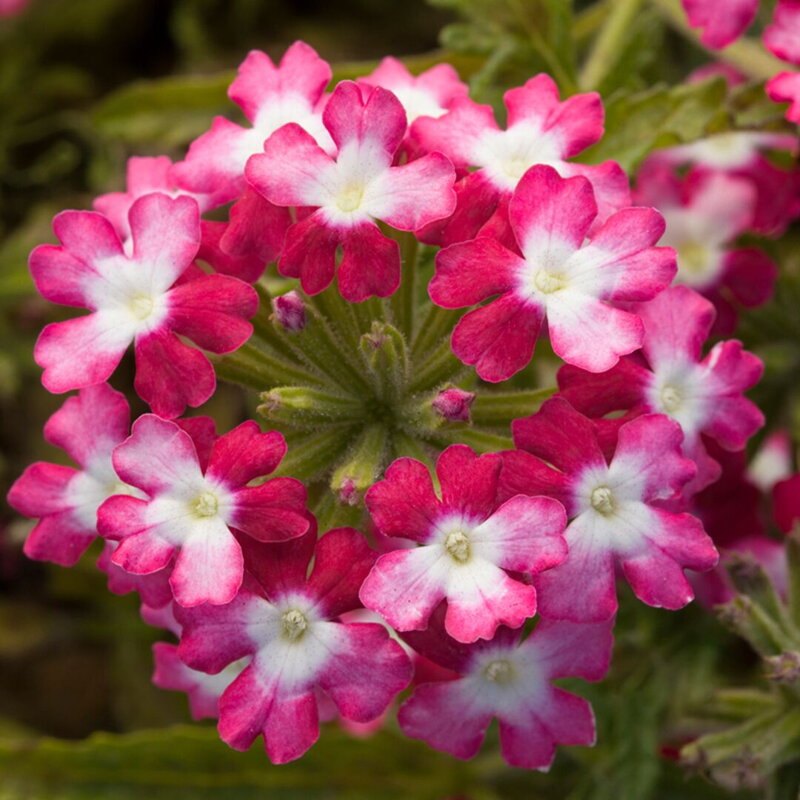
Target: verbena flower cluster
column 481, row 581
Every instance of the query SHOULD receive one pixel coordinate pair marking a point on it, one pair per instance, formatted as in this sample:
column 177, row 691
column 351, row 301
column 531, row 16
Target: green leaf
column 638, row 123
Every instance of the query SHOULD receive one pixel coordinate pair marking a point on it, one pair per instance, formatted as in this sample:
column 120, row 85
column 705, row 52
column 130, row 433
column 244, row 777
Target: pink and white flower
column 559, row 278
column 350, row 192
column 782, row 37
column 193, row 505
column 287, row 621
column 147, row 297
column 467, row 545
column 705, row 213
column 270, row 96
column 722, row 21
column 65, row 500
column 541, row 130
column 511, row 680
column 705, row 395
column 429, row 94
column 616, row 507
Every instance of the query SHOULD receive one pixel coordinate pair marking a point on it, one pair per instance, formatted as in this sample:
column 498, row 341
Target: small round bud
column 453, row 404
column 290, row 311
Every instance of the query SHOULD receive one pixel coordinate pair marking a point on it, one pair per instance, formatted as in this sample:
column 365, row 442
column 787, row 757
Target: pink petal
column 59, row 538
column 471, row 272
column 208, row 568
column 365, row 672
column 90, row 425
column 258, row 81
column 281, row 567
column 255, row 232
column 415, row 194
column 612, row 191
column 469, row 481
column 477, row 199
column 370, row 266
column 87, row 236
column 525, row 474
column 750, row 275
column 212, row 312
column 342, row 561
column 370, row 116
column 245, row 453
column 80, row 352
column 141, row 553
column 657, row 580
column 566, row 649
column 273, row 511
column 309, row 253
column 172, row 674
column 171, row 375
column 551, row 215
column 165, row 234
column 202, row 431
column 620, row 388
column 249, row 267
column 786, row 497
column 785, row 88
column 60, row 276
column 41, row 490
column 157, row 456
column 722, row 21
column 499, row 338
column 781, row 37
column 404, row 503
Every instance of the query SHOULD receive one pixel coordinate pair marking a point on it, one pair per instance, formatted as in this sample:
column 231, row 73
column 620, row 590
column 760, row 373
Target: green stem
column 259, row 369
column 608, row 44
column 498, row 409
column 747, row 55
column 403, row 301
column 438, row 368
column 437, row 324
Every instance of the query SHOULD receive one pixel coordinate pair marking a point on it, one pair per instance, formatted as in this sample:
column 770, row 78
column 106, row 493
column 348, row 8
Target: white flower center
column 141, row 306
column 693, row 257
column 206, row 505
column 350, row 197
column 458, row 546
column 671, row 398
column 603, row 500
column 549, row 282
column 294, row 624
column 499, row 671
column 516, row 167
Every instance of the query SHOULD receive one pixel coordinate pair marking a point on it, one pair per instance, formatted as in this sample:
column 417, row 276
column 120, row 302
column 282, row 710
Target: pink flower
column 453, row 404
column 511, row 680
column 468, row 543
column 147, row 298
column 429, row 94
column 559, row 278
column 722, row 21
column 288, row 623
column 786, row 499
column 616, row 508
column 705, row 395
column 782, row 37
column 350, row 192
column 705, row 213
column 194, row 501
column 541, row 130
column 785, row 88
column 270, row 96
column 10, row 8
column 154, row 589
column 88, row 427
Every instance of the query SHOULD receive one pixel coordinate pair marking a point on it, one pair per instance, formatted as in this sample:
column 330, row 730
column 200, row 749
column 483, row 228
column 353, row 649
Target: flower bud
column 453, row 404
column 290, row 311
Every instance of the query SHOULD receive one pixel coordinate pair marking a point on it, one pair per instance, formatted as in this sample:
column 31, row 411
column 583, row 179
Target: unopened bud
column 453, row 404
column 783, row 668
column 290, row 311
column 349, row 494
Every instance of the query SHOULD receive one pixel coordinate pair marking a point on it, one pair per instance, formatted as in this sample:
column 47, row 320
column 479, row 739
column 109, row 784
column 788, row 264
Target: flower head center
column 141, row 306
column 206, row 505
column 351, row 197
column 516, row 167
column 549, row 282
column 692, row 257
column 499, row 671
column 294, row 624
column 671, row 399
column 603, row 500
column 458, row 546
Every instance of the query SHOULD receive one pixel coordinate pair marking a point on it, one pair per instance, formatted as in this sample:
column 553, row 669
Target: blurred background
column 83, row 85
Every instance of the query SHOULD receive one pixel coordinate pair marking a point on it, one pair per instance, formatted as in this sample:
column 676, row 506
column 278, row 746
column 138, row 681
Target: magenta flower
column 288, row 622
column 705, row 213
column 270, row 96
column 705, row 395
column 148, row 298
column 429, row 94
column 786, row 499
column 193, row 503
column 616, row 508
column 558, row 277
column 65, row 500
column 511, row 680
column 467, row 544
column 541, row 130
column 722, row 21
column 782, row 37
column 351, row 192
